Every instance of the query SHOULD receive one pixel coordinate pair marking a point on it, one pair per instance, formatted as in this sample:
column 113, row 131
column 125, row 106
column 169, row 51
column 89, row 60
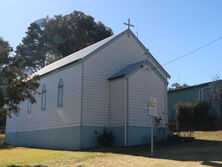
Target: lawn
column 205, row 150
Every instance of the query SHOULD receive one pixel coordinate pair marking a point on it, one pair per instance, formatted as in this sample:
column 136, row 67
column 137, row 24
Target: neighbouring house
column 106, row 84
column 191, row 94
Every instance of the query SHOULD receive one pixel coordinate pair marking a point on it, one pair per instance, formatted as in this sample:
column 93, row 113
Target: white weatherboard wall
column 117, row 102
column 141, row 85
column 97, row 69
column 52, row 116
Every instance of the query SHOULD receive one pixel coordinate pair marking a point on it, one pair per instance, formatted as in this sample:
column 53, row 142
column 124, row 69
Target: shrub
column 184, row 113
column 204, row 118
column 196, row 116
column 218, row 124
column 201, row 115
column 105, row 138
column 213, row 121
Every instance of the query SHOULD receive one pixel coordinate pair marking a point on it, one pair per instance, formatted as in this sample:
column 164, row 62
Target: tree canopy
column 46, row 40
column 216, row 90
column 33, row 48
column 15, row 86
column 177, row 86
column 50, row 39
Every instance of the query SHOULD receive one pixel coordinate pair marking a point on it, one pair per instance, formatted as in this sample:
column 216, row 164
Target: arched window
column 17, row 114
column 29, row 106
column 43, row 100
column 19, row 109
column 60, row 93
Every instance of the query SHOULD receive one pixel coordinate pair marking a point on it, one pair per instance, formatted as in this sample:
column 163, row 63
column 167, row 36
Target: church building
column 107, row 84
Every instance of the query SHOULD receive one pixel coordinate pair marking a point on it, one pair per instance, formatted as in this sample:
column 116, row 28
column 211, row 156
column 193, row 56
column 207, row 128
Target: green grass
column 205, row 150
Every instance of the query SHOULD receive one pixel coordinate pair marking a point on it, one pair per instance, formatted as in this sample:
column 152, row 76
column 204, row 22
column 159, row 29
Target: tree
column 50, row 39
column 216, row 90
column 33, row 49
column 176, row 85
column 15, row 85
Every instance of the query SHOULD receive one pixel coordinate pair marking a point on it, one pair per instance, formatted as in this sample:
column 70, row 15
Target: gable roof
column 149, row 54
column 128, row 69
column 92, row 49
column 74, row 57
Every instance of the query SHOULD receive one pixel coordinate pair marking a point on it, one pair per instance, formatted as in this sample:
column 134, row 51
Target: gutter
column 126, row 112
column 81, row 110
column 166, row 111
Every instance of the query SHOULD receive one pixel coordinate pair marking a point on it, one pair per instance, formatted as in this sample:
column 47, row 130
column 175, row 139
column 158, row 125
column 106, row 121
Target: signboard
column 152, row 106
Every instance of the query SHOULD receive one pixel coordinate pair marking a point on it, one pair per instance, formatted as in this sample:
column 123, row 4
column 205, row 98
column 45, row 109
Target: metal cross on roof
column 128, row 24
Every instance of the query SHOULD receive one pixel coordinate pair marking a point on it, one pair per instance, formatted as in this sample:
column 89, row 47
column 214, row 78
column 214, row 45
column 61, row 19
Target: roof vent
column 145, row 67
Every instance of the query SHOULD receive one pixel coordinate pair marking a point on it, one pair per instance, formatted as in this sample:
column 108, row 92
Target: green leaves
column 46, row 40
column 14, row 86
column 33, row 49
column 50, row 39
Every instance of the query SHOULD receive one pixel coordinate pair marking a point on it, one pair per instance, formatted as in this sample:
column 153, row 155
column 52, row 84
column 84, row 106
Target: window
column 29, row 106
column 17, row 114
column 19, row 109
column 60, row 94
column 203, row 94
column 43, row 101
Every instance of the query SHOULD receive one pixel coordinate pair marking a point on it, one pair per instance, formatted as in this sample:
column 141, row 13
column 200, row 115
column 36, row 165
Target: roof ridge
column 76, row 55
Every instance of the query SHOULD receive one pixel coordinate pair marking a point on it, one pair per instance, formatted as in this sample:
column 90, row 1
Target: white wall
column 52, row 116
column 141, row 85
column 117, row 102
column 97, row 69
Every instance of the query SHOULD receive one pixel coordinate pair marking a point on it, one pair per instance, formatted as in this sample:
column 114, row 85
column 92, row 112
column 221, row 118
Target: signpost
column 151, row 137
column 152, row 110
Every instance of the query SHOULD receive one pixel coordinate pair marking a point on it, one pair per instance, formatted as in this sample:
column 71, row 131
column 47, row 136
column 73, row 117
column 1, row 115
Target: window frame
column 29, row 106
column 60, row 93
column 43, row 98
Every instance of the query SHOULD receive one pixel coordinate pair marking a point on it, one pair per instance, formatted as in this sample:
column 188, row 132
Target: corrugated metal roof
column 128, row 69
column 74, row 56
column 193, row 86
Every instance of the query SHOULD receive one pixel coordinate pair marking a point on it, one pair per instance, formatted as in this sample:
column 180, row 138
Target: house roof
column 90, row 50
column 193, row 86
column 74, row 57
column 128, row 69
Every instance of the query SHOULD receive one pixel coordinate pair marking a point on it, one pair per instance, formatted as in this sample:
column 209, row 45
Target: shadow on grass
column 6, row 147
column 26, row 166
column 181, row 149
column 212, row 164
column 178, row 149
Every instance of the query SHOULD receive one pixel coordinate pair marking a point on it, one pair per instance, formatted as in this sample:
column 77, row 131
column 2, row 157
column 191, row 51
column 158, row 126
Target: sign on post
column 152, row 110
column 152, row 106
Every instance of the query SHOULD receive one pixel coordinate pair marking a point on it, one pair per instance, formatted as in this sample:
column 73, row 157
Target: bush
column 201, row 115
column 196, row 116
column 184, row 117
column 218, row 124
column 105, row 138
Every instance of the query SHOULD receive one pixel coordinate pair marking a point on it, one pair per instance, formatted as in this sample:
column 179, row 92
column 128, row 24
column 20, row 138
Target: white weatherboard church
column 107, row 84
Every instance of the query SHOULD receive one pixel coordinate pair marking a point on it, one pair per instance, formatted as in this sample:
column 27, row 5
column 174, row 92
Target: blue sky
column 169, row 28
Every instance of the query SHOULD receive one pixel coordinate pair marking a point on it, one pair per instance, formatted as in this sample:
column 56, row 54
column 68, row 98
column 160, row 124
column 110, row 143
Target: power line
column 187, row 54
column 193, row 51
